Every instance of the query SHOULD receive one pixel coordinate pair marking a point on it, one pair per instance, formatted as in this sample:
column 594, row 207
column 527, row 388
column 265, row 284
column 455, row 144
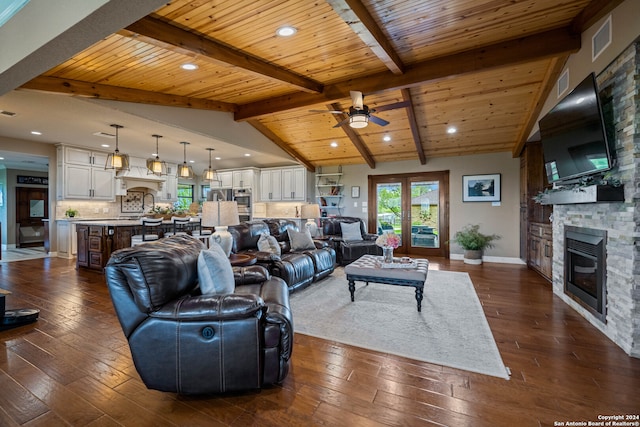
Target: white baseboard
column 492, row 259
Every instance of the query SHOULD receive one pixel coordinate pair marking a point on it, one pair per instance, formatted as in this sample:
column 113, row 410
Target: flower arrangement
column 388, row 240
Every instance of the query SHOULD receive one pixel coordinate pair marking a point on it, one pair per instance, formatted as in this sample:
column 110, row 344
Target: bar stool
column 151, row 230
column 181, row 226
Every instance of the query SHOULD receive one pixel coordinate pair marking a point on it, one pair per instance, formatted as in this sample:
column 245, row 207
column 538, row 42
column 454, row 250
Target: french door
column 414, row 206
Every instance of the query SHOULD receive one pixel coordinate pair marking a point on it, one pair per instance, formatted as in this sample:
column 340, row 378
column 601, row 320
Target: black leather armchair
column 188, row 343
column 349, row 251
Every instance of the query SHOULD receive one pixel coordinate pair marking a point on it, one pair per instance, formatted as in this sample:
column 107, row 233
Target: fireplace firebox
column 585, row 269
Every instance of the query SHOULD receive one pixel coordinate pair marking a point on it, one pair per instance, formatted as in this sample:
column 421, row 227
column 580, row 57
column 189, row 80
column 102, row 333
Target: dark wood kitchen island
column 98, row 239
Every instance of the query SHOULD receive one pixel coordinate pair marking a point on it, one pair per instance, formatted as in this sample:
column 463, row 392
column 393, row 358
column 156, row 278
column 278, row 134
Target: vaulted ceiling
column 484, row 67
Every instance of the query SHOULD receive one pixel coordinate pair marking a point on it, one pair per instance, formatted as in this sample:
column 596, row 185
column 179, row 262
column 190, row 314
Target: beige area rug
column 451, row 330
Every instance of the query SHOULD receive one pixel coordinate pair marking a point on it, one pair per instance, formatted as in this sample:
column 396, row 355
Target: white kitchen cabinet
column 270, row 185
column 169, row 190
column 244, row 178
column 67, row 239
column 294, row 184
column 290, row 184
column 224, row 180
column 81, row 175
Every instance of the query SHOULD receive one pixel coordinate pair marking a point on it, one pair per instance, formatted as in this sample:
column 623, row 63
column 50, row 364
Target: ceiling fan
column 359, row 114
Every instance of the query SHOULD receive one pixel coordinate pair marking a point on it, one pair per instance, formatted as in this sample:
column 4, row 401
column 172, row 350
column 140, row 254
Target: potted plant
column 474, row 242
column 70, row 213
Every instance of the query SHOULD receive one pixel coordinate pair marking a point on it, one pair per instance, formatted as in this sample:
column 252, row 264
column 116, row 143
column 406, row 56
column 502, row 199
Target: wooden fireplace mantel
column 588, row 194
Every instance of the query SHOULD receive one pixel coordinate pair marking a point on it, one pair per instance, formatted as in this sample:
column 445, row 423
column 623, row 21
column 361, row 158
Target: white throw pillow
column 215, row 273
column 350, row 231
column 268, row 243
column 300, row 240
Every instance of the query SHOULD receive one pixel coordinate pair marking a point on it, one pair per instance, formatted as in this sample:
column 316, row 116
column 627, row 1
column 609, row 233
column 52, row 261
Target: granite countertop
column 108, row 222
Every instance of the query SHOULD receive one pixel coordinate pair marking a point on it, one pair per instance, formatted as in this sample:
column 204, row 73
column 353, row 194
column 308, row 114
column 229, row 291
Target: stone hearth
column 619, row 87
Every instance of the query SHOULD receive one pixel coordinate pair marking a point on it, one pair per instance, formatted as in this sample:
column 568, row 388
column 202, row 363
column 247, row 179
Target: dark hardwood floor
column 73, row 366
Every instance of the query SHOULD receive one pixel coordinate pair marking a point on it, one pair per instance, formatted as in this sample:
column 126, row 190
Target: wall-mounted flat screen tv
column 574, row 137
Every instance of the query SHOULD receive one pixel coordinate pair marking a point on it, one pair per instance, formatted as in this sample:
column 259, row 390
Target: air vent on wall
column 601, row 39
column 563, row 82
column 104, row 134
column 7, row 113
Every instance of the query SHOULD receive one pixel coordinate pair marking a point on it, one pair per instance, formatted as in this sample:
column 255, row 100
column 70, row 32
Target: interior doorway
column 32, row 206
column 414, row 206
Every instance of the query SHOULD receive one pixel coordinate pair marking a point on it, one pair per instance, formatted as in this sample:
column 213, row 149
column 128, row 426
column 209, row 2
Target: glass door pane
column 424, row 214
column 389, row 207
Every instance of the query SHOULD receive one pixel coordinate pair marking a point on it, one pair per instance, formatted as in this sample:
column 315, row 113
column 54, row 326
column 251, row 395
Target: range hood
column 137, row 178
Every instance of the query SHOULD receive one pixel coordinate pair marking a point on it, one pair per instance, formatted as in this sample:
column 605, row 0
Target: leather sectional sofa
column 297, row 269
column 184, row 342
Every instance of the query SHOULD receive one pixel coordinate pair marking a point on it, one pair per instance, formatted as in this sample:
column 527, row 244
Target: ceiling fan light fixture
column 184, row 170
column 358, row 120
column 117, row 160
column 155, row 166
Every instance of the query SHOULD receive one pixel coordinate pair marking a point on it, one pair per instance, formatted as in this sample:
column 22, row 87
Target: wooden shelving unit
column 329, row 192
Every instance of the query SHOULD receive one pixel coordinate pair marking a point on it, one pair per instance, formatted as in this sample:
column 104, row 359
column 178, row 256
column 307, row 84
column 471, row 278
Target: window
column 185, row 196
column 204, row 191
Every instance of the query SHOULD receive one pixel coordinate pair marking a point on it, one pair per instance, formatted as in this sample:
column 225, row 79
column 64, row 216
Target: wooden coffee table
column 242, row 260
column 367, row 269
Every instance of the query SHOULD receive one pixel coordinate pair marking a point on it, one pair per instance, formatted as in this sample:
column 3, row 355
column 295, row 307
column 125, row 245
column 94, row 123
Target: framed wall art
column 481, row 188
column 355, row 192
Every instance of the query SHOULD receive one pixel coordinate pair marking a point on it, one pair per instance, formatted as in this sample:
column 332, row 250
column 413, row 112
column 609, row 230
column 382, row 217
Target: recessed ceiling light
column 35, row 132
column 192, row 161
column 286, row 31
column 386, row 138
column 104, row 145
column 452, row 129
column 189, row 66
column 247, row 155
column 334, row 144
column 1, row 158
column 218, row 158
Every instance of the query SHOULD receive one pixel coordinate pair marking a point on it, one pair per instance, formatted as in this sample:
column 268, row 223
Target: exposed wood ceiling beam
column 356, row 15
column 590, row 14
column 353, row 136
column 543, row 45
column 282, row 144
column 116, row 93
column 393, row 106
column 413, row 125
column 157, row 32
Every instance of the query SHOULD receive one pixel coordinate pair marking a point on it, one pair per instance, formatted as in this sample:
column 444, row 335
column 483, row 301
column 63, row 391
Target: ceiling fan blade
column 357, row 99
column 344, row 122
column 327, row 111
column 378, row 120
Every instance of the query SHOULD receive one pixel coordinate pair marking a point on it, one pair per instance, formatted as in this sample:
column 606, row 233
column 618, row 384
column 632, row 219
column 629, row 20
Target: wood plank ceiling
column 483, row 66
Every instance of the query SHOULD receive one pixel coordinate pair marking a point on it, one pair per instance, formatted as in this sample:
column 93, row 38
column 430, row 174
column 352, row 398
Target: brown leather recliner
column 188, row 343
column 349, row 251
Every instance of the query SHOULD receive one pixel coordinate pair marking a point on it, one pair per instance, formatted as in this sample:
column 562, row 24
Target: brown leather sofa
column 184, row 342
column 349, row 251
column 297, row 269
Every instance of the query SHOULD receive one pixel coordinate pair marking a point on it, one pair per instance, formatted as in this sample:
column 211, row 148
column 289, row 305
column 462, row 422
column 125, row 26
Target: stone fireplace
column 617, row 222
column 585, row 278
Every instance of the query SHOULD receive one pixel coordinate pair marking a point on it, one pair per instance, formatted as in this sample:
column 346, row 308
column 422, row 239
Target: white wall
column 503, row 220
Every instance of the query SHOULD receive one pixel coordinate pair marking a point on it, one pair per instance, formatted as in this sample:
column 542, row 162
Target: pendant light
column 209, row 174
column 116, row 160
column 185, row 171
column 155, row 166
